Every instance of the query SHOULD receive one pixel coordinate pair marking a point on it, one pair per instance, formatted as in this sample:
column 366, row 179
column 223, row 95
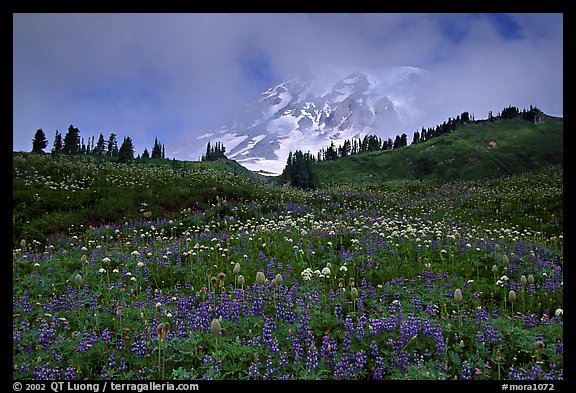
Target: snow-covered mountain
column 309, row 112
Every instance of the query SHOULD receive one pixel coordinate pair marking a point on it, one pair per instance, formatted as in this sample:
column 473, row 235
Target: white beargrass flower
column 458, row 295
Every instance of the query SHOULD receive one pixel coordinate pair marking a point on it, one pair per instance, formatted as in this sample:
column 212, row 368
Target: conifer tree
column 72, row 141
column 112, row 146
column 156, row 150
column 58, row 144
column 100, row 146
column 126, row 152
column 39, row 142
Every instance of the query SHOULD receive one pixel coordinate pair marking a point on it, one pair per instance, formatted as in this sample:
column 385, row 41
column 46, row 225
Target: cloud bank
column 171, row 76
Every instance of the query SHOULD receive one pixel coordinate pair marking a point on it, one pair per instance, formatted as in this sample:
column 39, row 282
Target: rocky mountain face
column 309, row 112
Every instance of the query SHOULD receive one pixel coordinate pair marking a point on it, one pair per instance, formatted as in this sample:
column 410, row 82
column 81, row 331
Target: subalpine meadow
column 200, row 270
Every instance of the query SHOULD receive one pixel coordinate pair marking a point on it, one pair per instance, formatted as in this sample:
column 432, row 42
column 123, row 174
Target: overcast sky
column 167, row 76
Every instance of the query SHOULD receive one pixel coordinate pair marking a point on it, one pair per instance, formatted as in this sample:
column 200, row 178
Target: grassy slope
column 51, row 195
column 464, row 154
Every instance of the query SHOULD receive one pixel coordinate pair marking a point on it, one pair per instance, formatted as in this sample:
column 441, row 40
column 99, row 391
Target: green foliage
column 146, row 237
column 407, row 244
column 214, row 153
column 480, row 150
column 126, row 152
column 299, row 171
column 52, row 193
column 72, row 141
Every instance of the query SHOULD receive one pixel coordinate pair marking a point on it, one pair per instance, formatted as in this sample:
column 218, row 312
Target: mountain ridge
column 317, row 108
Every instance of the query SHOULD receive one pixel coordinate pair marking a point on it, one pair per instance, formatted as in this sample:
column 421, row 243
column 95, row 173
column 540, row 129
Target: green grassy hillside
column 51, row 195
column 479, row 150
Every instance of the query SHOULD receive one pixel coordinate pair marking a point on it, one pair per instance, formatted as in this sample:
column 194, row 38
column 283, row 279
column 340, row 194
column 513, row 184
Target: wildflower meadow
column 406, row 281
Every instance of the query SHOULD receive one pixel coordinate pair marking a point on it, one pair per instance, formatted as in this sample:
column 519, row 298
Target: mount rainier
column 309, row 112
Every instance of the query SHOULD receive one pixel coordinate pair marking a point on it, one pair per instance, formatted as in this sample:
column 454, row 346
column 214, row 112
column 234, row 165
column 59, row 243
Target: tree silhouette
column 58, row 147
column 39, row 142
column 126, row 152
column 100, row 146
column 72, row 141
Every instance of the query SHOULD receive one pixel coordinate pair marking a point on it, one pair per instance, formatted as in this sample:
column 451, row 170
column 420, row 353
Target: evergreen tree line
column 72, row 144
column 299, row 171
column 214, row 153
column 511, row 112
column 375, row 143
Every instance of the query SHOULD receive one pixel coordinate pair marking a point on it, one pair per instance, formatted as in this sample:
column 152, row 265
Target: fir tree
column 156, row 150
column 100, row 146
column 72, row 141
column 112, row 146
column 58, row 144
column 126, row 152
column 39, row 142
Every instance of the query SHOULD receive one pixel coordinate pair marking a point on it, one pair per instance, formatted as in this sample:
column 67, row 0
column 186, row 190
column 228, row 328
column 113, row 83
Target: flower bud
column 458, row 295
column 241, row 280
column 236, row 268
column 512, row 296
column 494, row 269
column 354, row 292
column 523, row 280
column 162, row 330
column 505, row 259
column 78, row 279
column 279, row 279
column 260, row 278
column 530, row 279
column 215, row 327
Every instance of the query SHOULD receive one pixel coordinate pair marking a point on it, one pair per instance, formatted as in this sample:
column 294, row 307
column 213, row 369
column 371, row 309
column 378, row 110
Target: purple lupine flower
column 531, row 320
column 328, row 350
column 312, row 357
column 253, row 370
column 338, row 311
column 466, row 371
column 374, row 352
column 379, row 369
column 358, row 362
column 560, row 347
column 70, row 373
column 360, row 327
column 269, row 369
column 481, row 315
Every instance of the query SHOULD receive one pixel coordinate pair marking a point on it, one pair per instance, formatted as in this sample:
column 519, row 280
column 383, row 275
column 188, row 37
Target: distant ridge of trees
column 214, row 153
column 299, row 171
column 375, row 143
column 72, row 144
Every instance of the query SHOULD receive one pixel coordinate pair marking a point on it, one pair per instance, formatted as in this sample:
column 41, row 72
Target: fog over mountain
column 308, row 112
column 176, row 76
